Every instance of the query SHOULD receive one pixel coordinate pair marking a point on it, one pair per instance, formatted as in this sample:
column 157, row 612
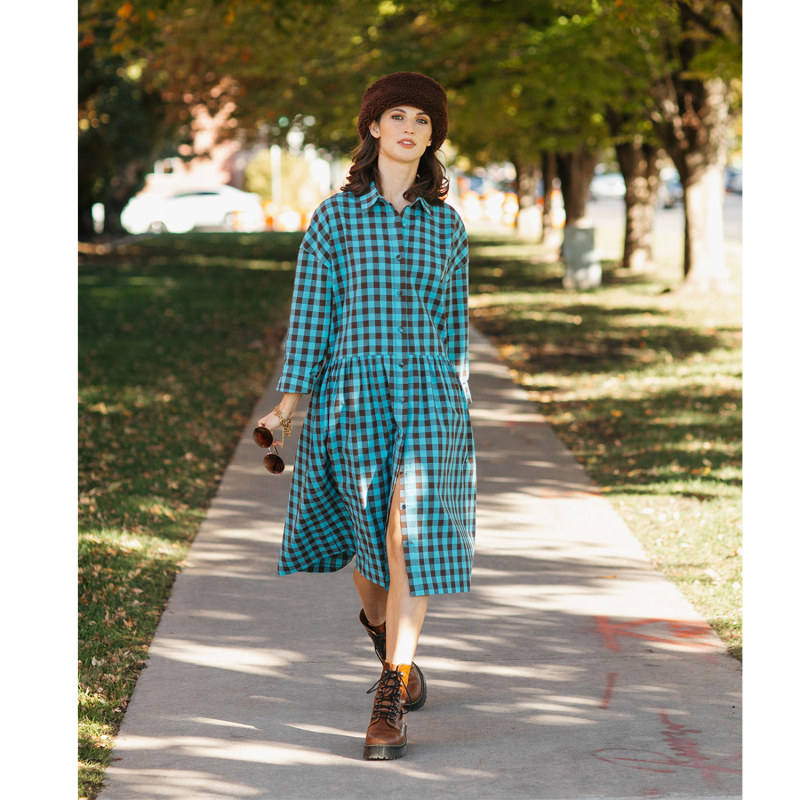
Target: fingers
column 269, row 421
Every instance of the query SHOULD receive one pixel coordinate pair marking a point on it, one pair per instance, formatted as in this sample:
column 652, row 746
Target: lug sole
column 384, row 752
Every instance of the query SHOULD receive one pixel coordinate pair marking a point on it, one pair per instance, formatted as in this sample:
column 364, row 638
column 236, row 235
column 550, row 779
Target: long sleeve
column 309, row 333
column 458, row 309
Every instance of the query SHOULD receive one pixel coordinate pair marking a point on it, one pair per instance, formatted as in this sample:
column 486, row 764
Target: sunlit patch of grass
column 644, row 385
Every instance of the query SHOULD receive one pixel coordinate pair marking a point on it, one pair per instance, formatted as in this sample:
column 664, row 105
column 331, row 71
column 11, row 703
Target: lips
column 407, row 143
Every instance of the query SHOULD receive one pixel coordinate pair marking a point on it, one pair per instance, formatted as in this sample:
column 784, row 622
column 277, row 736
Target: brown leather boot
column 386, row 734
column 417, row 686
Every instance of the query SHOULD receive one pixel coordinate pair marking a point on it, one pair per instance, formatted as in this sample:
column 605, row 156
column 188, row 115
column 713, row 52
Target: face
column 403, row 133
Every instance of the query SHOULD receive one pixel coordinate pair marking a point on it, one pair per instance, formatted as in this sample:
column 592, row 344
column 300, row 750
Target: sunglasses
column 272, row 461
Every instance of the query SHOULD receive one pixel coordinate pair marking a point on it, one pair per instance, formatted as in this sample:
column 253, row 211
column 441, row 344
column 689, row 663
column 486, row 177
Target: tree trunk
column 639, row 164
column 704, row 238
column 692, row 118
column 526, row 184
column 582, row 268
column 699, row 153
column 575, row 170
column 529, row 220
column 548, row 176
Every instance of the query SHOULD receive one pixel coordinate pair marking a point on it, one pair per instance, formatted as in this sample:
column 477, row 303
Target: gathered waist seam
column 390, row 357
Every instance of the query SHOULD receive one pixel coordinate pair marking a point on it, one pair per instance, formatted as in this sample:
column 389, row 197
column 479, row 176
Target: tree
column 639, row 160
column 517, row 89
column 687, row 68
column 122, row 128
column 639, row 157
column 277, row 60
column 666, row 72
column 548, row 76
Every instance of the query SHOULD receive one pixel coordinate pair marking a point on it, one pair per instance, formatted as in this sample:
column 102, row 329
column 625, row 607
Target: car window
column 196, row 194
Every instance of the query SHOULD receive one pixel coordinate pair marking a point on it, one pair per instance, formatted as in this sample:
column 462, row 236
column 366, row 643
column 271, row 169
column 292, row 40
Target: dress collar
column 373, row 195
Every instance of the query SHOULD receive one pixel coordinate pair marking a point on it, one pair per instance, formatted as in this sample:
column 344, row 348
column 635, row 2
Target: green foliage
column 546, row 75
column 122, row 128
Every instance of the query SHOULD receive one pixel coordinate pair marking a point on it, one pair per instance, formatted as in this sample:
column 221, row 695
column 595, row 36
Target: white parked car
column 218, row 207
column 607, row 184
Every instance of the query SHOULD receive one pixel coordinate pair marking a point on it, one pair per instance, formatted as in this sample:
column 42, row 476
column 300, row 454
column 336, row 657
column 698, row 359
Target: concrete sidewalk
column 572, row 669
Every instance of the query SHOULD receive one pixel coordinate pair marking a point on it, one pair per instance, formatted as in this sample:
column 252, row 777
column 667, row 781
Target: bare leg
column 404, row 613
column 373, row 599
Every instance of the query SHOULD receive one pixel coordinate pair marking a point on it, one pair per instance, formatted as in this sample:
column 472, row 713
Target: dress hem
column 312, row 569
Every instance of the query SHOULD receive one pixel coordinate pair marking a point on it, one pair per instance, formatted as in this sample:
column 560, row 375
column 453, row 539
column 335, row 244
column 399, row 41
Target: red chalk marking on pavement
column 681, row 743
column 610, row 681
column 685, row 749
column 694, row 635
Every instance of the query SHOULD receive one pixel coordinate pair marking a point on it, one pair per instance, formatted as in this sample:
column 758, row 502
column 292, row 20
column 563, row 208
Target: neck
column 396, row 180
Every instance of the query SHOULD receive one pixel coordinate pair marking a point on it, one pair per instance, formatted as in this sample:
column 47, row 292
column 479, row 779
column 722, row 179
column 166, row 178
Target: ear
column 375, row 130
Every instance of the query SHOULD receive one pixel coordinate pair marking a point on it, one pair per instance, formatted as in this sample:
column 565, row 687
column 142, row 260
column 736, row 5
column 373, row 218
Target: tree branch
column 708, row 25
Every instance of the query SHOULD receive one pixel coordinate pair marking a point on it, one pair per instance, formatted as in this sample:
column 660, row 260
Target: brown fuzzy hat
column 410, row 89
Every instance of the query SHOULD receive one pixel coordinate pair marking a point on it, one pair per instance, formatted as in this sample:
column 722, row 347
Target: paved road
column 608, row 215
column 669, row 221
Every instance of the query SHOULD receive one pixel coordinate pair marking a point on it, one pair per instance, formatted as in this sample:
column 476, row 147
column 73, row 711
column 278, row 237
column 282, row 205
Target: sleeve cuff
column 292, row 383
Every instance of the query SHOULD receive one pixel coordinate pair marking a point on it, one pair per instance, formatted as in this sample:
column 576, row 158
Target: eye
column 423, row 121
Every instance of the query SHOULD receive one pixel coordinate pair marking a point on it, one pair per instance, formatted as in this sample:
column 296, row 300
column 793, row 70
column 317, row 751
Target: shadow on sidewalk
column 526, row 698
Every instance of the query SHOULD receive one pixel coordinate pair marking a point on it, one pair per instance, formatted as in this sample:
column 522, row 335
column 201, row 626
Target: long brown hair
column 431, row 183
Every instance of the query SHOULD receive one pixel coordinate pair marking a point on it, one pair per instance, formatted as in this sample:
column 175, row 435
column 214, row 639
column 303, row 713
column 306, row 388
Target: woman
column 378, row 333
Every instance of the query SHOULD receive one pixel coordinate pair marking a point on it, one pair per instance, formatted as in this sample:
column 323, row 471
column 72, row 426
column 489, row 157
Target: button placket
column 399, row 277
column 399, row 316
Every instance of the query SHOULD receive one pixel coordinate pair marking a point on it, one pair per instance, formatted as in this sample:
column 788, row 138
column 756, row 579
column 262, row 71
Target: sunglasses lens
column 273, row 463
column 262, row 436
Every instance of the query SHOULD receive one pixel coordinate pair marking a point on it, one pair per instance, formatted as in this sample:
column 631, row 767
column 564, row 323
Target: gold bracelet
column 286, row 424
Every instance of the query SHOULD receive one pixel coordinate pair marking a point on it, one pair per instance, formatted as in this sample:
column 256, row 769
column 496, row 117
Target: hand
column 271, row 422
column 287, row 407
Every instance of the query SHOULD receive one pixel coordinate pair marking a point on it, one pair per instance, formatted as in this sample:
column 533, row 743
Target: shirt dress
column 379, row 334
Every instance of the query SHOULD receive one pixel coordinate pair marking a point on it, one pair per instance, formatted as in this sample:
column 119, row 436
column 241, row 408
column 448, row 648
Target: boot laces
column 389, row 698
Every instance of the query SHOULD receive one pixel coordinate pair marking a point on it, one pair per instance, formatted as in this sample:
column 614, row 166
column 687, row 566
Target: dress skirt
column 380, row 338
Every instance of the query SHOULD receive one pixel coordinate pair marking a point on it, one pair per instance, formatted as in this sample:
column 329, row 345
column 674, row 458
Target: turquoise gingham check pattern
column 379, row 333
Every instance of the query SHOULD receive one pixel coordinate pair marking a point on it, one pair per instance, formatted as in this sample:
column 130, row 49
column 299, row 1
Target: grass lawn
column 643, row 384
column 177, row 338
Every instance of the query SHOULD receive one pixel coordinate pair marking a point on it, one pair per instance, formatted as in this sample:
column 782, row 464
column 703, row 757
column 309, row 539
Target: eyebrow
column 420, row 114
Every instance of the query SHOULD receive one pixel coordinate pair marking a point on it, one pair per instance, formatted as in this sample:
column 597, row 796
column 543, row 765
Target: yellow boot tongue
column 403, row 669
